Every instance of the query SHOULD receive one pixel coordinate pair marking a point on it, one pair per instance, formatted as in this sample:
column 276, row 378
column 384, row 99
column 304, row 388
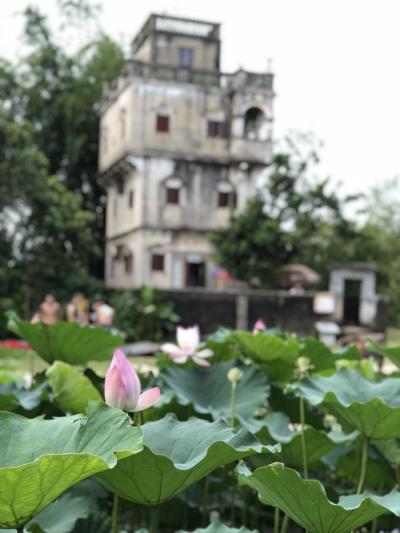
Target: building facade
column 181, row 145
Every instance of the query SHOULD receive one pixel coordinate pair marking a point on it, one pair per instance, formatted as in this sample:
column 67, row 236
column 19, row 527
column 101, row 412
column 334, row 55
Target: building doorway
column 195, row 274
column 351, row 311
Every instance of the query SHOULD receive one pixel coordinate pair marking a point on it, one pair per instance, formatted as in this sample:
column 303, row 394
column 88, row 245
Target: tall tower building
column 181, row 145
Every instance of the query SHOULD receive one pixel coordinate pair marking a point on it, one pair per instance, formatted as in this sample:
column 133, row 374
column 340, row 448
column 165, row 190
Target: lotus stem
column 363, row 470
column 138, row 419
column 114, row 521
column 154, row 516
column 374, row 527
column 276, row 520
column 233, row 404
column 285, row 523
column 303, row 437
column 206, row 489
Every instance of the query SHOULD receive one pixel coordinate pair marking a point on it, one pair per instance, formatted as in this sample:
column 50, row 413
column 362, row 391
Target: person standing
column 78, row 310
column 49, row 310
column 104, row 314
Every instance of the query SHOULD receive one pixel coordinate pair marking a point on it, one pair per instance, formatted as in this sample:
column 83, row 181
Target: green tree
column 288, row 221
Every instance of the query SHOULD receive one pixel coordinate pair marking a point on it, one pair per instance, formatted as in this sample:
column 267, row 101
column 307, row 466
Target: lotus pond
column 244, row 431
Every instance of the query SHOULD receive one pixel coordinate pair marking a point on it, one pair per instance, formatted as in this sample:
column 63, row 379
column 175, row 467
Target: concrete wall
column 205, row 53
column 212, row 309
column 189, row 108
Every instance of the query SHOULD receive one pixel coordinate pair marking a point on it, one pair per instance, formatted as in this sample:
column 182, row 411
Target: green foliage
column 372, row 408
column 62, row 515
column 305, row 501
column 49, row 194
column 41, row 458
column 67, row 341
column 72, row 390
column 144, row 314
column 189, row 386
column 176, row 455
column 219, row 527
column 286, row 222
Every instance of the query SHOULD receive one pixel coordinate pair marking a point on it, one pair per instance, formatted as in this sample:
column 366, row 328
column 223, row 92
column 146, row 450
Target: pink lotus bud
column 122, row 386
column 259, row 326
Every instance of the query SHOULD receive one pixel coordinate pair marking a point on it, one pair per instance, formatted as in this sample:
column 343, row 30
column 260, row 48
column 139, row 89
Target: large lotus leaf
column 72, row 390
column 14, row 397
column 305, row 501
column 176, row 455
column 40, row 459
column 62, row 515
column 372, row 408
column 67, row 341
column 209, row 390
column 219, row 527
column 318, row 443
column 275, row 354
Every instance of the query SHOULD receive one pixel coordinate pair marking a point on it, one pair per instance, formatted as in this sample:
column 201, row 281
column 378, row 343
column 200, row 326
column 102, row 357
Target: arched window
column 253, row 123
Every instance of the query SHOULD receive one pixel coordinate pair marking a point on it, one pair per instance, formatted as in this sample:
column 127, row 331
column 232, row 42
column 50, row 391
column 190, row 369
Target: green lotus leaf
column 62, row 515
column 305, row 501
column 391, row 353
column 372, row 408
column 40, row 459
column 219, row 527
column 67, row 341
column 176, row 455
column 318, row 443
column 275, row 354
column 15, row 397
column 72, row 390
column 209, row 390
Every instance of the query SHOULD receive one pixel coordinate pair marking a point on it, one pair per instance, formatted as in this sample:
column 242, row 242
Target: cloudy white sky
column 337, row 66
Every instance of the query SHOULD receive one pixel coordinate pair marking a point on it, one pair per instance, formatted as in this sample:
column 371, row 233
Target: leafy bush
column 144, row 314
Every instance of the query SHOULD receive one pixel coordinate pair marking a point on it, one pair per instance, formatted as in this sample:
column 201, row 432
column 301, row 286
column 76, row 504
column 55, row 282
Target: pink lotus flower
column 122, row 386
column 187, row 347
column 259, row 326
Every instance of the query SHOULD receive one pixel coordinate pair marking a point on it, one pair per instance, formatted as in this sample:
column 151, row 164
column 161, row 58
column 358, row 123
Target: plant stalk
column 276, row 520
column 285, row 523
column 233, row 404
column 363, row 470
column 303, row 437
column 205, row 499
column 154, row 516
column 114, row 521
column 20, row 529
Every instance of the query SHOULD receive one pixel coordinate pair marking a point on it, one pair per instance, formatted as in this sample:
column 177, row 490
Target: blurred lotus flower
column 259, row 326
column 122, row 386
column 187, row 347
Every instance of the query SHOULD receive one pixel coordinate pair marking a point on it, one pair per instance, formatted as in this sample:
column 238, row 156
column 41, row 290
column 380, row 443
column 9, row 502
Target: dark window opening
column 162, row 123
column 128, row 263
column 186, row 57
column 351, row 312
column 253, row 122
column 227, row 199
column 157, row 262
column 120, row 186
column 120, row 251
column 173, row 194
column 195, row 274
column 217, row 129
column 130, row 199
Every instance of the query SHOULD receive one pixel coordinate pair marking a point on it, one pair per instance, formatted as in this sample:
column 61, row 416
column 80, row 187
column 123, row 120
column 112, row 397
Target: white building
column 181, row 144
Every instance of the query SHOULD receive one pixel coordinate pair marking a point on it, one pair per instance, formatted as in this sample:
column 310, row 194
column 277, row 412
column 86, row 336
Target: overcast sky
column 337, row 67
